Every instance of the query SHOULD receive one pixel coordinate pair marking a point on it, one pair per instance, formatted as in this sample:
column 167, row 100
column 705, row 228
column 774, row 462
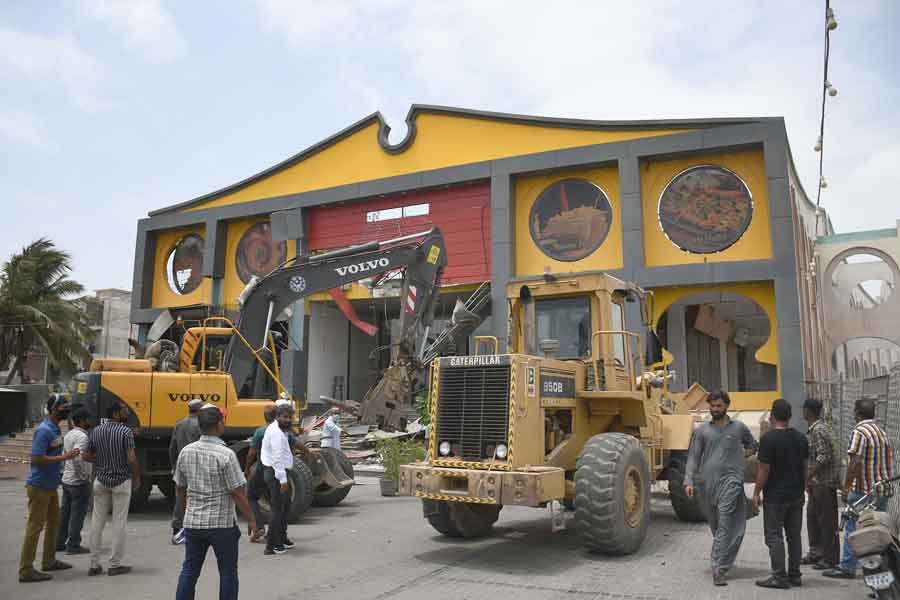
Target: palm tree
column 38, row 309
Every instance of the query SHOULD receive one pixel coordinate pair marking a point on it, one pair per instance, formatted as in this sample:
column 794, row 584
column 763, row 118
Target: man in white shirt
column 76, row 481
column 331, row 431
column 277, row 459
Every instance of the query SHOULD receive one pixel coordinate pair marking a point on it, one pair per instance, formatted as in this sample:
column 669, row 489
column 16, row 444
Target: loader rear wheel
column 301, row 480
column 612, row 494
column 686, row 509
column 327, row 496
column 460, row 519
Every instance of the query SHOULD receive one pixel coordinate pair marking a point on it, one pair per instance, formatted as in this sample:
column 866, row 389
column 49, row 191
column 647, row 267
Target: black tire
column 686, row 509
column 140, row 496
column 460, row 519
column 167, row 488
column 240, row 449
column 300, row 479
column 612, row 494
column 328, row 496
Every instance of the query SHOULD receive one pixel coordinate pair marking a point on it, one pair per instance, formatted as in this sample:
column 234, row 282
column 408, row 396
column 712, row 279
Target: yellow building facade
column 699, row 211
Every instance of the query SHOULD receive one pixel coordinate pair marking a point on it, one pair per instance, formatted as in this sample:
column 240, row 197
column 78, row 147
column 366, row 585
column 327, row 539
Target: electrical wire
column 827, row 52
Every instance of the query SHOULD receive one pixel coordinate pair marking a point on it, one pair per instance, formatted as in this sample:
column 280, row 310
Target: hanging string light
column 828, row 90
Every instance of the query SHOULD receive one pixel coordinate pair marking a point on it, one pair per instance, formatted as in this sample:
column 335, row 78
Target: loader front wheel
column 686, row 509
column 612, row 494
column 461, row 519
column 300, row 479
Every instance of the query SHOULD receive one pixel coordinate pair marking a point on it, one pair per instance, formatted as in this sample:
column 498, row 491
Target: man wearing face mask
column 277, row 460
column 715, row 472
column 47, row 459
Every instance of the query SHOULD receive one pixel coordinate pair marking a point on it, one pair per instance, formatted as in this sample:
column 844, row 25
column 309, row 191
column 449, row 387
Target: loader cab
column 585, row 314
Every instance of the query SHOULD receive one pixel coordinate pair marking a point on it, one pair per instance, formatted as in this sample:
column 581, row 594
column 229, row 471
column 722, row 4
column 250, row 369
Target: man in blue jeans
column 76, row 482
column 209, row 482
column 871, row 462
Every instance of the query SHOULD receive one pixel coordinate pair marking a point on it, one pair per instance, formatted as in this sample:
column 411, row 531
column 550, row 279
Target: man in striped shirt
column 871, row 462
column 111, row 449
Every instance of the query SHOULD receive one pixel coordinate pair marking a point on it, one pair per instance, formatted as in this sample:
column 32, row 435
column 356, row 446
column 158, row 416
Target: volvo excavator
column 226, row 363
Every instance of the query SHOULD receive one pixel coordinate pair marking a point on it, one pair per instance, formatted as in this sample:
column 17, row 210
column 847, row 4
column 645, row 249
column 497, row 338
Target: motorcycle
column 875, row 544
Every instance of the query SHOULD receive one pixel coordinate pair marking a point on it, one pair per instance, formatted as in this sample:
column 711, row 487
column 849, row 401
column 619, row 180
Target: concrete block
column 451, row 175
column 787, row 308
column 667, row 144
column 525, row 163
column 390, row 185
column 779, row 198
column 733, row 135
column 629, row 175
column 596, row 154
column 749, row 270
column 632, row 212
column 633, row 249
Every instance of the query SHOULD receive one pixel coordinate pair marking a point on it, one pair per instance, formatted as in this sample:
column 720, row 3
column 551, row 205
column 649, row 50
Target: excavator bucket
column 388, row 402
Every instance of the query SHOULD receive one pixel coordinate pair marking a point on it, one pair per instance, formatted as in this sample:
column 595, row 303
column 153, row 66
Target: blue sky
column 110, row 109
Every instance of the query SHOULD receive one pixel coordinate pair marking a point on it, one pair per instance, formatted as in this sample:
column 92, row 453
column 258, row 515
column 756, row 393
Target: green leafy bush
column 395, row 452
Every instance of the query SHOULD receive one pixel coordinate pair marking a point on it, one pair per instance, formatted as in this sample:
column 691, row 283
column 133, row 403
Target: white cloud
column 49, row 60
column 145, row 25
column 25, row 128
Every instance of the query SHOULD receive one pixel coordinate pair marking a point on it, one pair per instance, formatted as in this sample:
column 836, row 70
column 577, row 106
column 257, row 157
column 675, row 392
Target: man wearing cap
column 186, row 431
column 43, row 498
column 209, row 483
column 277, row 459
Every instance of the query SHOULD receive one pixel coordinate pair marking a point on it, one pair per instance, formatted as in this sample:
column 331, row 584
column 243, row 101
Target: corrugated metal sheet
column 463, row 214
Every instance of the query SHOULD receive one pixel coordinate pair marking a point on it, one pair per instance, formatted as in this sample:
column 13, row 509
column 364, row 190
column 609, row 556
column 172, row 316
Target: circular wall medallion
column 297, row 284
column 184, row 265
column 257, row 254
column 570, row 219
column 705, row 209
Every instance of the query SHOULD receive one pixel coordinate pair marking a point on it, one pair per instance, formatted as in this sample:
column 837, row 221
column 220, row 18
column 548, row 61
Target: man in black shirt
column 781, row 477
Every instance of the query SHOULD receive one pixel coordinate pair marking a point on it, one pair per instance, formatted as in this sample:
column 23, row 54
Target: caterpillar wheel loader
column 574, row 419
column 232, row 365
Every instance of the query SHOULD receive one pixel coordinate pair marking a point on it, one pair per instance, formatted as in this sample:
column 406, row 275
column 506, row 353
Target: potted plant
column 393, row 453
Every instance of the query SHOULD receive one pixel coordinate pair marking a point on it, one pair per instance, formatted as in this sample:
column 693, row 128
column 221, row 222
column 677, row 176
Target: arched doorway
column 713, row 338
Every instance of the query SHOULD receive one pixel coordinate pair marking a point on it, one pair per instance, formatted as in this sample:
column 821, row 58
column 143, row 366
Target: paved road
column 373, row 548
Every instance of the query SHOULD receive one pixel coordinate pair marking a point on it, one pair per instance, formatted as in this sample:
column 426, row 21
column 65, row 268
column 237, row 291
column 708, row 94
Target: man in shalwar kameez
column 715, row 473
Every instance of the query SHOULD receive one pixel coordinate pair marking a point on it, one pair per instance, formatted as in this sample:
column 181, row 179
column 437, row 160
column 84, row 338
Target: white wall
column 328, row 346
column 361, row 375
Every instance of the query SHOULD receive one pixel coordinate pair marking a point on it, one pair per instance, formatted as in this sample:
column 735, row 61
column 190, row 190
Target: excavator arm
column 422, row 257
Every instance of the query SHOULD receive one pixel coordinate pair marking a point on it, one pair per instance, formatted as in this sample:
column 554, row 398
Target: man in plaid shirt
column 209, row 483
column 821, row 486
column 871, row 464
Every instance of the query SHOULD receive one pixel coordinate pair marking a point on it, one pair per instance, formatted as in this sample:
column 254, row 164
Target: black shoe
column 719, row 579
column 34, row 576
column 279, row 549
column 822, row 566
column 98, row 570
column 78, row 550
column 775, row 583
column 120, row 570
column 288, row 543
column 796, row 581
column 838, row 573
column 57, row 565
